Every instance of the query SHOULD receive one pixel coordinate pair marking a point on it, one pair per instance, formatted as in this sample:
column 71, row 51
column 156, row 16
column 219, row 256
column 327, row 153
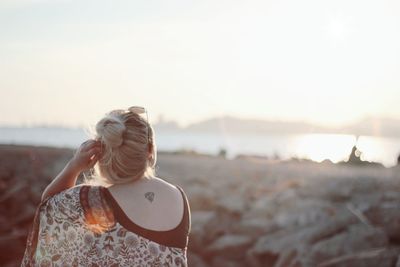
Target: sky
column 65, row 62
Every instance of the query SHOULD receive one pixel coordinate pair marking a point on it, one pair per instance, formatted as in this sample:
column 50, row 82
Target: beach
column 248, row 211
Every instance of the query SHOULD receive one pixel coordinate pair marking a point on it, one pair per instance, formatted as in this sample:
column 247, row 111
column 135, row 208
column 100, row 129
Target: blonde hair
column 128, row 148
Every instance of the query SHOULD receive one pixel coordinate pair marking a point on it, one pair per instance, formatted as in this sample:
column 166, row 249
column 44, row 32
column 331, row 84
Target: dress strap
column 186, row 220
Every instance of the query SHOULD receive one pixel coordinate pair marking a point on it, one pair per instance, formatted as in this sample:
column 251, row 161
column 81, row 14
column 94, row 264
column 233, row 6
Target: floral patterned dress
column 84, row 226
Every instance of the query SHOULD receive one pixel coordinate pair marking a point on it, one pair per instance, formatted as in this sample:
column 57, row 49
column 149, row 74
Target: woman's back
column 96, row 226
column 150, row 203
column 140, row 220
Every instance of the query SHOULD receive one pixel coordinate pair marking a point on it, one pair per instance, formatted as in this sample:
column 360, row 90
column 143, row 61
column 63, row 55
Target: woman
column 136, row 219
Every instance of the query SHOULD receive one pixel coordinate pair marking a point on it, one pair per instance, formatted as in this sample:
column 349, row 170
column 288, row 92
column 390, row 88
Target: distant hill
column 166, row 126
column 236, row 125
column 374, row 127
column 368, row 126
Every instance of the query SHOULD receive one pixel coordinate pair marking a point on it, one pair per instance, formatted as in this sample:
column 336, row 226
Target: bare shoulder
column 154, row 204
column 167, row 189
column 164, row 184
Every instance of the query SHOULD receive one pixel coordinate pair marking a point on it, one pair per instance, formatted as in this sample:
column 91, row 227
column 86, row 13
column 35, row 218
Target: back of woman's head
column 128, row 148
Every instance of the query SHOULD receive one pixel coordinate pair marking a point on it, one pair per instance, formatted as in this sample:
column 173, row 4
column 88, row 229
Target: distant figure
column 398, row 160
column 136, row 220
column 222, row 153
column 355, row 156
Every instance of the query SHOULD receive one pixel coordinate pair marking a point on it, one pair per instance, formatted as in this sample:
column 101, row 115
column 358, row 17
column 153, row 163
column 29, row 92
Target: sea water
column 317, row 147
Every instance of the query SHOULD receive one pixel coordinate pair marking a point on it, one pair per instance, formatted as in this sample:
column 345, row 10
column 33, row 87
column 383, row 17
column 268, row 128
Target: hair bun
column 111, row 131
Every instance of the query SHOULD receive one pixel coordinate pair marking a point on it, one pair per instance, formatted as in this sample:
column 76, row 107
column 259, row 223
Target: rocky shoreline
column 245, row 212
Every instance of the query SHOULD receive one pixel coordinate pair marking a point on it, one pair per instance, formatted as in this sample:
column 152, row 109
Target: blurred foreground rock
column 262, row 213
column 245, row 212
column 24, row 173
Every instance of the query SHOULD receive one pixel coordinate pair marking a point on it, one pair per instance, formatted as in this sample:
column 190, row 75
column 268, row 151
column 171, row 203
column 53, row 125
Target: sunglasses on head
column 141, row 110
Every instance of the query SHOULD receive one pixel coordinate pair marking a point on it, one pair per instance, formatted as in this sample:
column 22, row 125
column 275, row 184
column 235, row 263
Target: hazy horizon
column 328, row 63
column 366, row 126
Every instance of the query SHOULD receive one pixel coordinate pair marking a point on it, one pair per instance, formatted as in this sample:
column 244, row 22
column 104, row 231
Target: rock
column 219, row 225
column 220, row 261
column 232, row 203
column 195, row 260
column 262, row 202
column 391, row 196
column 365, row 185
column 382, row 257
column 335, row 190
column 269, row 248
column 386, row 216
column 197, row 233
column 11, row 247
column 201, row 218
column 277, row 247
column 25, row 216
column 14, row 191
column 304, row 212
column 254, row 227
column 356, row 239
column 230, row 246
column 262, row 207
column 363, row 202
column 199, row 198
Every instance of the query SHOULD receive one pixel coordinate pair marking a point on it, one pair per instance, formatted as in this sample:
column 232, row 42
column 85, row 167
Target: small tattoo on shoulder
column 149, row 196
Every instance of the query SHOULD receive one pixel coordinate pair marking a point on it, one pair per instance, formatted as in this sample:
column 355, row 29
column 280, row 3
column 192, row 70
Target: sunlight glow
column 318, row 147
column 377, row 148
column 337, row 147
column 337, row 29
